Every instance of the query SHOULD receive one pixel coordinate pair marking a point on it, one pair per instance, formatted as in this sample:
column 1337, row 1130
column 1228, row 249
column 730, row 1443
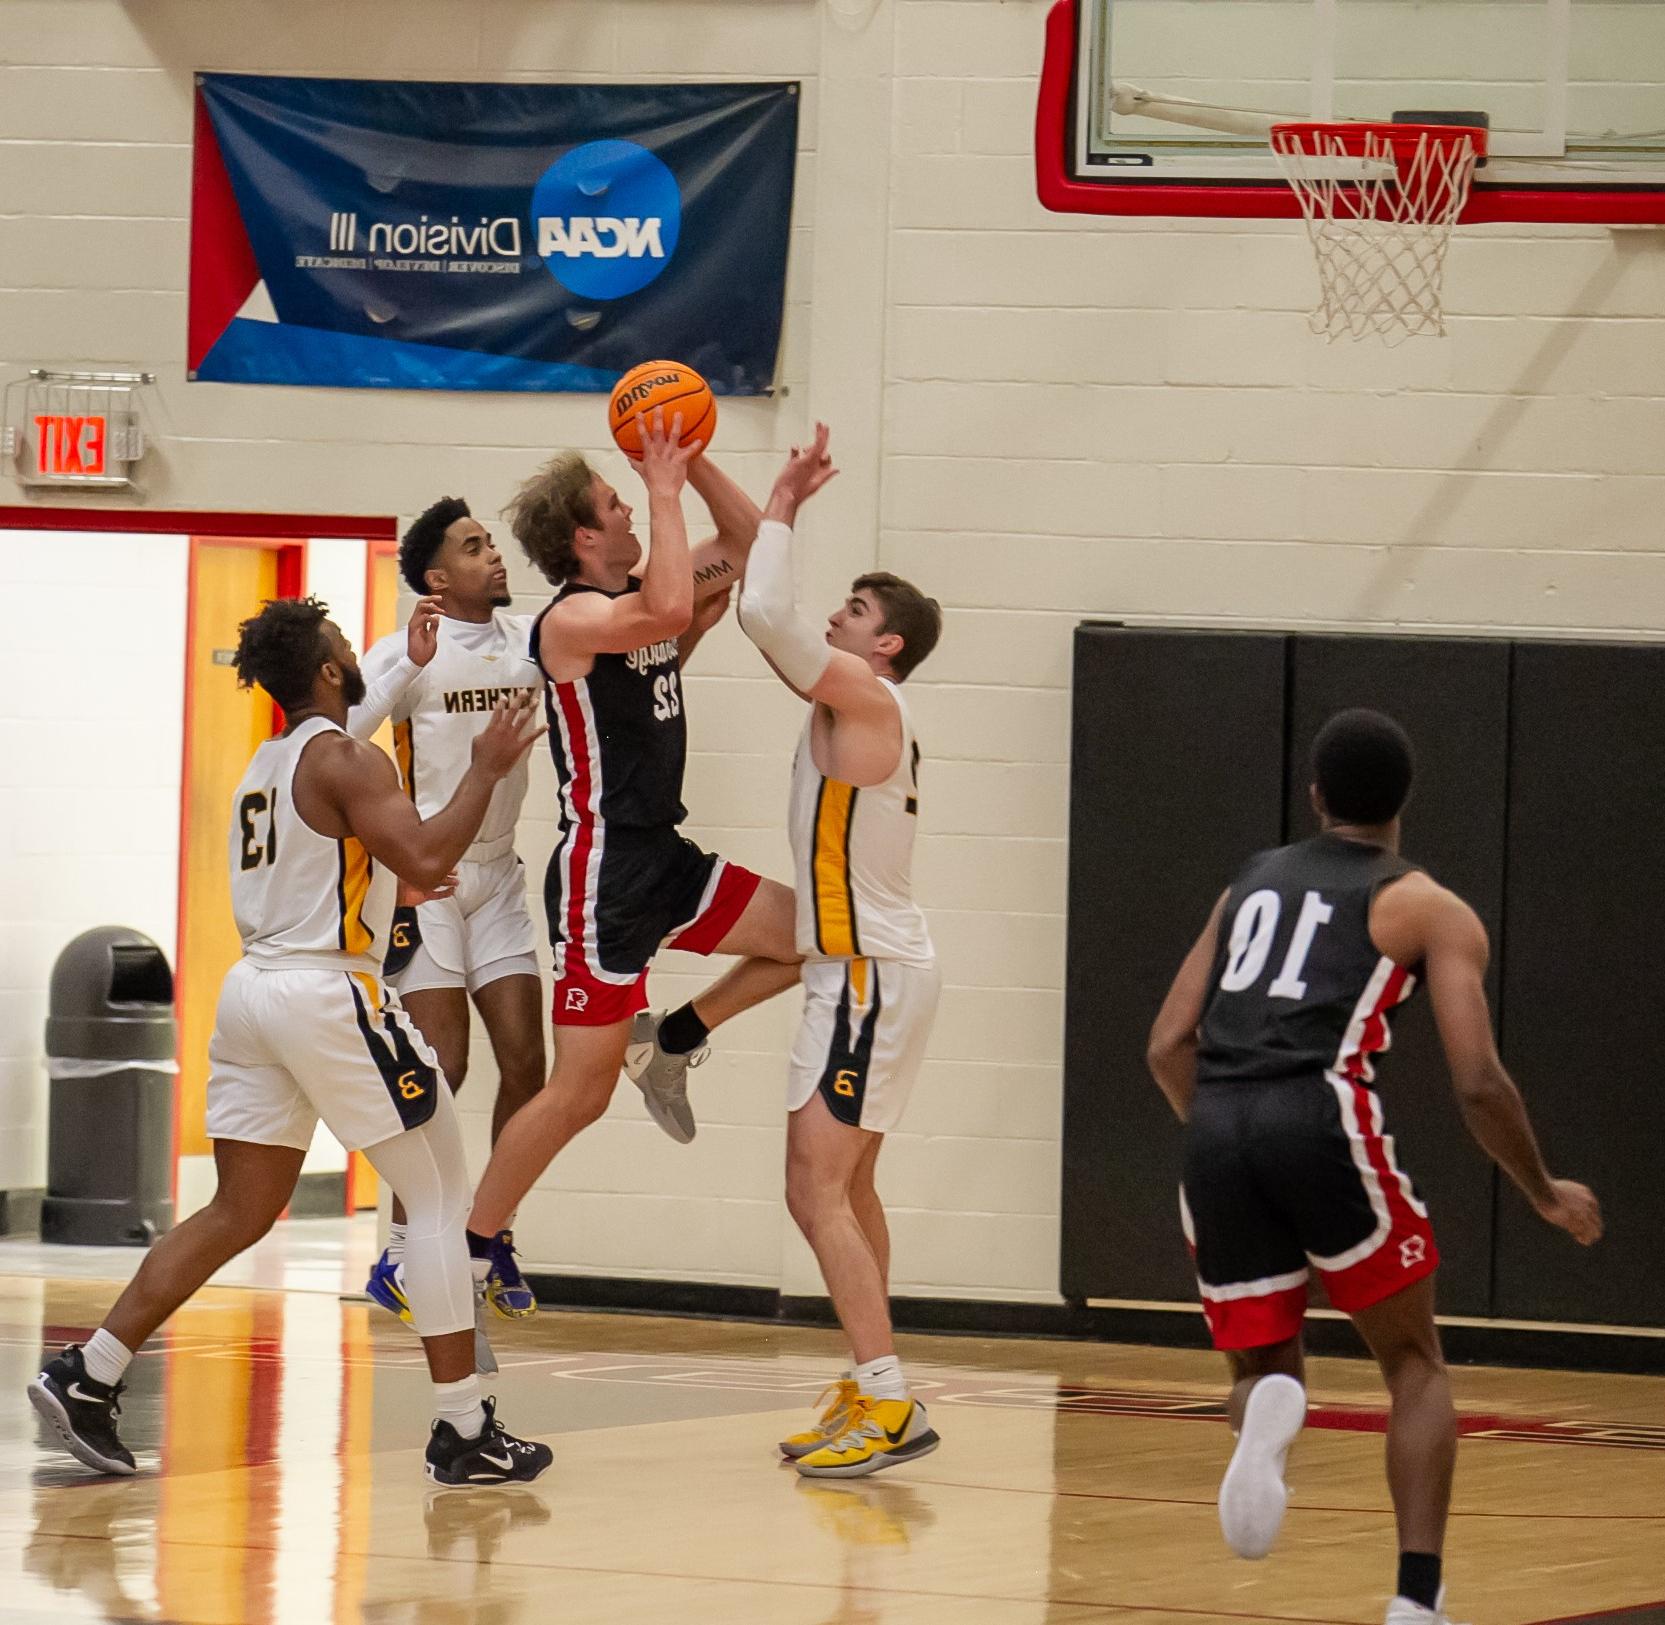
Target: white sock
column 881, row 1378
column 480, row 1268
column 395, row 1243
column 106, row 1357
column 459, row 1404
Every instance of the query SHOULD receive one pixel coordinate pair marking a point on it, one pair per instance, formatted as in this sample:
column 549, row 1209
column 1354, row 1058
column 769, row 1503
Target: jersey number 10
column 1251, row 941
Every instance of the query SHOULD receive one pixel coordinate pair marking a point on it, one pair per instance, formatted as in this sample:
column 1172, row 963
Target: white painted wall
column 92, row 668
column 1038, row 418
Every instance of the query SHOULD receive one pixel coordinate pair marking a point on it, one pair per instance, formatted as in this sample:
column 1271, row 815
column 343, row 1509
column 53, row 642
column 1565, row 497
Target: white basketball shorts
column 482, row 932
column 293, row 1046
column 861, row 1041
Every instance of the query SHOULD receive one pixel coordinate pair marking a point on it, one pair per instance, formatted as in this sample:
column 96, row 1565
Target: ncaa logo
column 606, row 217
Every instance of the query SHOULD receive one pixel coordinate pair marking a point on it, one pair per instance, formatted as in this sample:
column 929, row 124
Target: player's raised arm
column 720, row 560
column 389, row 670
column 1172, row 1051
column 769, row 614
column 1414, row 920
column 356, row 784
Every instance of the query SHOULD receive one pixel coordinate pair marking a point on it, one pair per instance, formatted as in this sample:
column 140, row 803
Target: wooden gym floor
column 280, row 1431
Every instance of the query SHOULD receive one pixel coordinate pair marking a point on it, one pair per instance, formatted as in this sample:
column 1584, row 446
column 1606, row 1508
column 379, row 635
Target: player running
column 1264, row 1049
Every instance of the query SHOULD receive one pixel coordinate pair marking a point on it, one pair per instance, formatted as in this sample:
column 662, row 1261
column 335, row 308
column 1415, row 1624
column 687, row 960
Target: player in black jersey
column 623, row 881
column 1263, row 1048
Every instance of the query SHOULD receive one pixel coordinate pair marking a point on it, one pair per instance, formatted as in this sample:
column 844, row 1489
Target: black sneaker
column 82, row 1412
column 496, row 1457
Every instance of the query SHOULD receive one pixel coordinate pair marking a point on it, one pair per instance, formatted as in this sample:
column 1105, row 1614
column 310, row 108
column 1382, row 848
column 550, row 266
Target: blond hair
column 549, row 509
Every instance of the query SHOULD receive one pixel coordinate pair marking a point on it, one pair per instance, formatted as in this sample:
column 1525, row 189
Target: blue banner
column 372, row 234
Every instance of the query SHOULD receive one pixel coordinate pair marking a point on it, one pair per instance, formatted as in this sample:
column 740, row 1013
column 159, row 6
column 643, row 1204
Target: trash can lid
column 111, row 998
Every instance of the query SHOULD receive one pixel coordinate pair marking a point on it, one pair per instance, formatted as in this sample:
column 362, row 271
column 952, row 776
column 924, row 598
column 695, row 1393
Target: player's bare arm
column 720, row 561
column 347, row 787
column 588, row 624
column 1172, row 1051
column 1417, row 920
column 707, row 612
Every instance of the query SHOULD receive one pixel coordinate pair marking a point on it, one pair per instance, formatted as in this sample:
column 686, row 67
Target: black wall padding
column 1177, row 776
column 1584, row 974
column 1451, row 695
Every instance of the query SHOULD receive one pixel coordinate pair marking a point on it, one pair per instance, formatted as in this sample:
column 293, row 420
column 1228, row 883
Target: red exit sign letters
column 71, row 445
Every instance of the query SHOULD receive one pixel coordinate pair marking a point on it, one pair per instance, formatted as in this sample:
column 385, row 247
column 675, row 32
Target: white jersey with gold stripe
column 447, row 703
column 301, row 898
column 852, row 854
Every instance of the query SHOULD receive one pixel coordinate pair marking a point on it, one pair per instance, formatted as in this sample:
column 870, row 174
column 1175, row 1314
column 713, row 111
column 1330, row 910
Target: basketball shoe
column 82, row 1412
column 661, row 1076
column 1253, row 1495
column 1402, row 1611
column 387, row 1288
column 496, row 1457
column 506, row 1288
column 843, row 1396
column 878, row 1433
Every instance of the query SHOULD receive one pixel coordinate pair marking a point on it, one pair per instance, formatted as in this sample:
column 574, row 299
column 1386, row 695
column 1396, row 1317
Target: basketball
column 669, row 386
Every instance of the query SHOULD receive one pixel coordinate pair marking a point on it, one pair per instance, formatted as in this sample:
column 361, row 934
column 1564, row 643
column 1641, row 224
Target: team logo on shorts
column 845, row 1084
column 1412, row 1250
column 577, row 999
column 410, row 1086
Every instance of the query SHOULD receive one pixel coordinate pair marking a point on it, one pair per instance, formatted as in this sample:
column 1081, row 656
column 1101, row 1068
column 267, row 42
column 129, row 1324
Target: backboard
column 1573, row 92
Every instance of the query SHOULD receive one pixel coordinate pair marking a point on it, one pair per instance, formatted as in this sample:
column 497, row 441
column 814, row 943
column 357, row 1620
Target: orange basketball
column 673, row 388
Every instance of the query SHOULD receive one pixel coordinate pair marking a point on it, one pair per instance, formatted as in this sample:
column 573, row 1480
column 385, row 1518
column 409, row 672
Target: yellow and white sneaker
column 843, row 1396
column 879, row 1433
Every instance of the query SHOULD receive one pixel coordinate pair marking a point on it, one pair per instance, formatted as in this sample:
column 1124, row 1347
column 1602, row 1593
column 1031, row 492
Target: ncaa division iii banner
column 375, row 234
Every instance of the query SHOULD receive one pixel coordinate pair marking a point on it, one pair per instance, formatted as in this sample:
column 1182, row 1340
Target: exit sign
column 68, row 446
column 73, row 428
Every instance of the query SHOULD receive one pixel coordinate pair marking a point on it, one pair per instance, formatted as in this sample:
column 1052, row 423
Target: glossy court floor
column 279, row 1429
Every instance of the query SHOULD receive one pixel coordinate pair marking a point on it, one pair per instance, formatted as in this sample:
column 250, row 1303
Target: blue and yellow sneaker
column 506, row 1288
column 386, row 1288
column 878, row 1433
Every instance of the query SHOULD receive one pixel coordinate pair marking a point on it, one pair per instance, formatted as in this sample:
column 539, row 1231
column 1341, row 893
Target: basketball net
column 1379, row 202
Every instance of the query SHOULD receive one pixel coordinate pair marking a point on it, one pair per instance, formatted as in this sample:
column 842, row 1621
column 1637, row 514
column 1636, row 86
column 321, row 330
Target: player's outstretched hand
column 664, row 464
column 807, row 469
column 500, row 745
column 1572, row 1207
column 422, row 635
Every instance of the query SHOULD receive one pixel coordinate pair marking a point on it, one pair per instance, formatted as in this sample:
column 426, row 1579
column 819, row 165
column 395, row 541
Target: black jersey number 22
column 1251, row 942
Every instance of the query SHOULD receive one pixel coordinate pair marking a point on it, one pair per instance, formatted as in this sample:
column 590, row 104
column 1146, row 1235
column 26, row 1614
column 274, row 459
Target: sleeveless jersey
column 301, row 898
column 618, row 735
column 447, row 704
column 1298, row 988
column 852, row 857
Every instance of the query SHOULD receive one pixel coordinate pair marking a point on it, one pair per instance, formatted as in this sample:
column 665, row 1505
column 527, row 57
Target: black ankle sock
column 479, row 1246
column 682, row 1032
column 1419, row 1578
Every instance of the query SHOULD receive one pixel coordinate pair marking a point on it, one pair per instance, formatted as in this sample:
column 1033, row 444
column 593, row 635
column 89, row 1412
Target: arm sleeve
column 769, row 611
column 388, row 674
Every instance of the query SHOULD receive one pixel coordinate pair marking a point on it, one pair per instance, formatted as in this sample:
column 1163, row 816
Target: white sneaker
column 661, row 1076
column 1402, row 1611
column 1252, row 1494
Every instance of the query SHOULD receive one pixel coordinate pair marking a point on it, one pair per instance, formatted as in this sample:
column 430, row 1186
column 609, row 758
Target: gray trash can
column 110, row 1057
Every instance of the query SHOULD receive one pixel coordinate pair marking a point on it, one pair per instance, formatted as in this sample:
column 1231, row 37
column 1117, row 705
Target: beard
column 352, row 686
column 501, row 600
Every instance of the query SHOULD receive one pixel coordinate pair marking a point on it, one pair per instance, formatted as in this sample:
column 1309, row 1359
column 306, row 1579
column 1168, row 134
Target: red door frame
column 288, row 533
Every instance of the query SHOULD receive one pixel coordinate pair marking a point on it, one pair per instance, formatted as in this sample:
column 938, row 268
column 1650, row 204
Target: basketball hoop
column 1379, row 201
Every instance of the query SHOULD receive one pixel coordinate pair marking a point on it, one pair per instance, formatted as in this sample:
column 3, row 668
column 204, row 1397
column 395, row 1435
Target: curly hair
column 546, row 513
column 907, row 612
column 282, row 648
column 424, row 539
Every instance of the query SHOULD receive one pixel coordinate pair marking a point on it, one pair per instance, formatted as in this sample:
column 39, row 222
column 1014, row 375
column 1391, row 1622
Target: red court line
column 1298, row 1506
